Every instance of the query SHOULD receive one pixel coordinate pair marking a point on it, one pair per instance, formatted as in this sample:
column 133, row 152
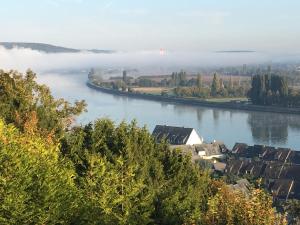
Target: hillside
column 47, row 48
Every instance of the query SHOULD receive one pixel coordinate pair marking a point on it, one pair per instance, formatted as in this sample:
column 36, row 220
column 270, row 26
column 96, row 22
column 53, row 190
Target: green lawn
column 226, row 99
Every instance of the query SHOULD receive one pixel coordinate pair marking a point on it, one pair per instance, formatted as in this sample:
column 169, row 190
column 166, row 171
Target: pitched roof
column 174, row 135
column 285, row 189
column 273, row 170
column 239, row 147
column 290, row 172
column 245, row 151
column 255, row 169
column 242, row 167
column 236, row 167
column 209, row 149
column 292, row 157
column 252, row 151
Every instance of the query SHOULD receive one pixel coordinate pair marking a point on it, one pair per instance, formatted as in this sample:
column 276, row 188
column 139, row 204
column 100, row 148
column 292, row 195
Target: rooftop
column 174, row 135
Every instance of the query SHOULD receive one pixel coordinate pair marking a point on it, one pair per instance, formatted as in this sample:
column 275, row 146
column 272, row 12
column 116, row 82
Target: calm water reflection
column 229, row 126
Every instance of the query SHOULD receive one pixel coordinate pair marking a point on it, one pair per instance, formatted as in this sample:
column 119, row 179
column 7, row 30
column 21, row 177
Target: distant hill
column 48, row 48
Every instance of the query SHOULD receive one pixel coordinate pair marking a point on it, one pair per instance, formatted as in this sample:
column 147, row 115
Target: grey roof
column 285, row 189
column 239, row 147
column 250, row 151
column 255, row 169
column 236, row 167
column 266, row 153
column 174, row 135
column 242, row 167
column 210, row 149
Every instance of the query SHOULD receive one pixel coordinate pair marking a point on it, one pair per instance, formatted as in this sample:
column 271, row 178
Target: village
column 275, row 169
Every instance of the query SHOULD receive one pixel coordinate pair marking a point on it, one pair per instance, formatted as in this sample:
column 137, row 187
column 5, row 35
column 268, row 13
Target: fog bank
column 147, row 61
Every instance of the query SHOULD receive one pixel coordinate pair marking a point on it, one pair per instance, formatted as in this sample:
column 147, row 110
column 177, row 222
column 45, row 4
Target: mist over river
column 229, row 126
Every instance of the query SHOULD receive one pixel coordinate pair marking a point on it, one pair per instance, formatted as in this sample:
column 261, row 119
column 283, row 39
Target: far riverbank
column 197, row 102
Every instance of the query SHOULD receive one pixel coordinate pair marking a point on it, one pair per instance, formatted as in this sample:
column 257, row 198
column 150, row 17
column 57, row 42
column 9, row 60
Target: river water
column 229, row 126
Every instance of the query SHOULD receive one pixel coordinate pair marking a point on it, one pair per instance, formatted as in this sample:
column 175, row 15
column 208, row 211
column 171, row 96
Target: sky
column 137, row 25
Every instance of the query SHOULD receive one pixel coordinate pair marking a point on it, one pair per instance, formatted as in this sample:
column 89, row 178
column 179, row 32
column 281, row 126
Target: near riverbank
column 197, row 102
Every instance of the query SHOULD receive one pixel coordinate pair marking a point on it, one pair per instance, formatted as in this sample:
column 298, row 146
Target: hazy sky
column 185, row 25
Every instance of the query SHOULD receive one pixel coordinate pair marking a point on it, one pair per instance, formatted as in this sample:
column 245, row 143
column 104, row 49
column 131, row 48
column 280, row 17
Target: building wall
column 194, row 139
column 212, row 157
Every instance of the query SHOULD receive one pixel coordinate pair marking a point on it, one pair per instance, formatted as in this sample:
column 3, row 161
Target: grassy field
column 151, row 90
column 225, row 99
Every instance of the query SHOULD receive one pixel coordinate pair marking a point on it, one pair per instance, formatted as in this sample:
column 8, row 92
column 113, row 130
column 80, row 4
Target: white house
column 177, row 135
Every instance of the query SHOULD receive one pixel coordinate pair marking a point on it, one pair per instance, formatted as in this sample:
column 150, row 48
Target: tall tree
column 215, row 85
column 199, row 81
column 21, row 97
column 37, row 186
column 230, row 83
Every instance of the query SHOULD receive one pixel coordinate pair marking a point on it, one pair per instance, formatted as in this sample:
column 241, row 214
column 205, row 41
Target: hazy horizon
column 146, row 61
column 207, row 25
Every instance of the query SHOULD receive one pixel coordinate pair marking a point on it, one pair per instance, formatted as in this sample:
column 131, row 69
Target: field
column 151, row 90
column 225, row 99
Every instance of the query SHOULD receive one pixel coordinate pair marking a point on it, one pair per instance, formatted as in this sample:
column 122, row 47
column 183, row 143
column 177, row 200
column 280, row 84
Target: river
column 229, row 126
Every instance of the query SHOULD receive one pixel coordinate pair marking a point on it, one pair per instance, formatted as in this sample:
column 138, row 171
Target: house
column 255, row 169
column 279, row 168
column 176, row 135
column 210, row 151
column 239, row 147
column 243, row 167
column 250, row 152
column 284, row 189
column 236, row 167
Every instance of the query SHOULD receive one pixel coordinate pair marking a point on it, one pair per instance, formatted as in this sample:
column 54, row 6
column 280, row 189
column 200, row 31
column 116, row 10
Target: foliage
column 144, row 82
column 215, row 86
column 199, row 81
column 270, row 90
column 36, row 187
column 178, row 79
column 292, row 207
column 23, row 99
column 102, row 173
column 161, row 185
column 217, row 89
column 231, row 207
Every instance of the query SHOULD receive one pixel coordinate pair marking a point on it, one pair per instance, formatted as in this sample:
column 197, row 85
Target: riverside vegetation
column 267, row 89
column 54, row 172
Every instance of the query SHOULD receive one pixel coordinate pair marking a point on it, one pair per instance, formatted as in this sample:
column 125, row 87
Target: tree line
column 273, row 90
column 217, row 89
column 55, row 172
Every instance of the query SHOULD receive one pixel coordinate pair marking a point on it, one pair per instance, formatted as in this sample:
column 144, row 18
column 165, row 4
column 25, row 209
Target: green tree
column 21, row 97
column 103, row 173
column 199, row 81
column 231, row 84
column 233, row 207
column 36, row 185
column 183, row 198
column 215, row 85
column 292, row 207
column 269, row 90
